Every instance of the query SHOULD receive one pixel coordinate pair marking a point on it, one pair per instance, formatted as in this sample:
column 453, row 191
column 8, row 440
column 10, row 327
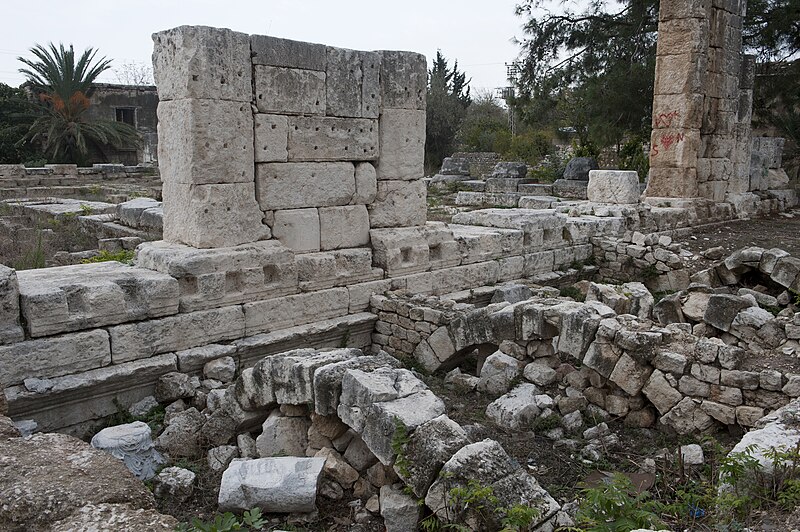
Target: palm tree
column 62, row 86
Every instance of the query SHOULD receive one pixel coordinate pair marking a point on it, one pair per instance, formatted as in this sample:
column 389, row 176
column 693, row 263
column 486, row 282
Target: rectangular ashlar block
column 211, row 278
column 442, row 248
column 479, row 244
column 542, row 229
column 71, row 298
column 281, row 90
column 271, row 138
column 212, row 216
column 343, row 227
column 404, row 80
column 298, row 229
column 202, row 62
column 290, row 311
column 342, row 267
column 274, row 51
column 143, row 339
column 399, row 204
column 332, row 139
column 10, row 329
column 52, row 357
column 674, row 148
column 205, row 141
column 400, row 251
column 299, row 185
column 681, row 74
column 371, row 98
column 402, row 144
column 343, row 79
column 682, row 36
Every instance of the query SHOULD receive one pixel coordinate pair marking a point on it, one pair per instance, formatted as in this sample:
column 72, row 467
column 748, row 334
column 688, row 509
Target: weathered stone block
column 202, row 62
column 298, row 229
column 10, row 330
column 399, row 204
column 71, row 298
column 678, row 111
column 400, row 251
column 402, row 144
column 343, row 227
column 478, row 244
column 271, row 138
column 289, row 90
column 613, row 186
column 680, row 74
column 371, row 96
column 343, row 79
column 404, row 80
column 205, row 141
column 671, row 182
column 317, row 271
column 53, row 357
column 332, row 139
column 284, row 312
column 175, row 333
column 690, row 9
column 682, row 36
column 298, row 185
column 212, row 216
column 223, row 276
column 274, row 51
column 283, row 484
column 366, row 184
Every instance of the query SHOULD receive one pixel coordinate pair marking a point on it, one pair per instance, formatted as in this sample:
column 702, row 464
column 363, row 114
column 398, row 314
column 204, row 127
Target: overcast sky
column 478, row 33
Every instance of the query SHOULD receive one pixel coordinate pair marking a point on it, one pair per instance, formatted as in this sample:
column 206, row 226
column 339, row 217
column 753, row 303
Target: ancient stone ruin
column 298, row 293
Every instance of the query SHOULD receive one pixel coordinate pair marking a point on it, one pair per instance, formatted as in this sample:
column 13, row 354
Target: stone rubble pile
column 336, row 424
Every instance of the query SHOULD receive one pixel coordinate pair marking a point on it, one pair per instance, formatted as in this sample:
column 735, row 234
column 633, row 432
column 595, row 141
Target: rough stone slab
column 212, row 216
column 220, row 277
column 300, row 309
column 429, row 447
column 517, row 409
column 205, row 141
column 332, row 139
column 274, row 51
column 289, row 90
column 402, row 144
column 81, row 397
column 300, row 185
column 343, row 227
column 202, row 62
column 193, row 360
column 298, row 229
column 53, row 357
column 328, row 379
column 70, row 298
column 787, row 272
column 343, row 79
column 613, row 186
column 284, row 484
column 399, row 204
column 404, row 80
column 488, row 463
column 291, row 374
column 175, row 333
column 318, row 271
column 271, row 138
column 10, row 329
column 130, row 212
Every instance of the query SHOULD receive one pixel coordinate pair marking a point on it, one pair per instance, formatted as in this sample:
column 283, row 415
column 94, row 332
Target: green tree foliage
column 15, row 120
column 448, row 100
column 485, row 126
column 592, row 70
column 589, row 71
column 63, row 85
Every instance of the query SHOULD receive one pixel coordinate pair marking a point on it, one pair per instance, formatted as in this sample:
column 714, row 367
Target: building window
column 126, row 115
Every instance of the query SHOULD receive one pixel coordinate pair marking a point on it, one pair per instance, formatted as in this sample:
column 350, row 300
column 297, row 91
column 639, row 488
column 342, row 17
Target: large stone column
column 698, row 129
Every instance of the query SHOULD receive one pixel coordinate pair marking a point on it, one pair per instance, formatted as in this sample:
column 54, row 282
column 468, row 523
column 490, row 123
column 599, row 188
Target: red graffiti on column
column 665, row 119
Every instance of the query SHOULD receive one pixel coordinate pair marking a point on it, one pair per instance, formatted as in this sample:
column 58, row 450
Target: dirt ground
column 774, row 231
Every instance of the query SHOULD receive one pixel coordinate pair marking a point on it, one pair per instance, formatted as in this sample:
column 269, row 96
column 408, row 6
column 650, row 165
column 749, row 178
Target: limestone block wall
column 303, row 143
